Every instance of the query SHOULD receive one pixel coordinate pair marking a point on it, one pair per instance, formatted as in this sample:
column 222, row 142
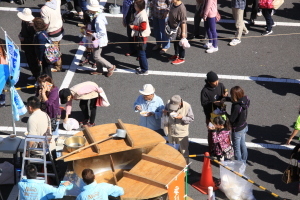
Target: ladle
column 120, row 134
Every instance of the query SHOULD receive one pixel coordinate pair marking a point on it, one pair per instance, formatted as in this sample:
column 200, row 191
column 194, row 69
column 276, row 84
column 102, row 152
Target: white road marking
column 195, row 140
column 189, row 74
column 73, row 67
column 189, row 19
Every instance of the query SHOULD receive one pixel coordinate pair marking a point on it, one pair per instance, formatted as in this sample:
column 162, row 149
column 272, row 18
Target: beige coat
column 141, row 17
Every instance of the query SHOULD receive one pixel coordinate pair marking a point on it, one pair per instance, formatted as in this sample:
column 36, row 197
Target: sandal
column 163, row 51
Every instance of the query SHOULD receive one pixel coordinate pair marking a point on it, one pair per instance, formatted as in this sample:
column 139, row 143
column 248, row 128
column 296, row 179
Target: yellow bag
column 277, row 3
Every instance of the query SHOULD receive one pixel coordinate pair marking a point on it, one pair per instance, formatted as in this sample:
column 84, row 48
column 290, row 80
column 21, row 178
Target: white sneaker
column 207, row 45
column 259, row 13
column 31, row 78
column 12, row 2
column 234, row 42
column 245, row 32
column 212, row 50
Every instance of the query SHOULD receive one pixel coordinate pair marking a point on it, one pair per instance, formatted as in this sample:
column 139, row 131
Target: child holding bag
column 220, row 132
column 141, row 31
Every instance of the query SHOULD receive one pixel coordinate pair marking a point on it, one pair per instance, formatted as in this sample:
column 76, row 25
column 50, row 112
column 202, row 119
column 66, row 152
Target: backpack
column 266, row 4
column 52, row 53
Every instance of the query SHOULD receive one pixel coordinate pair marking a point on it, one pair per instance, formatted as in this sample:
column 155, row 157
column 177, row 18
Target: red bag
column 266, row 4
column 99, row 101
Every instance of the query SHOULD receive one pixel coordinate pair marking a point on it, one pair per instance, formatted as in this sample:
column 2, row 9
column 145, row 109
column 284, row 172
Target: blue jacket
column 99, row 191
column 33, row 189
column 39, row 38
column 156, row 105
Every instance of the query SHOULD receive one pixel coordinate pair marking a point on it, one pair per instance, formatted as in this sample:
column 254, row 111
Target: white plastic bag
column 71, row 124
column 184, row 43
column 235, row 187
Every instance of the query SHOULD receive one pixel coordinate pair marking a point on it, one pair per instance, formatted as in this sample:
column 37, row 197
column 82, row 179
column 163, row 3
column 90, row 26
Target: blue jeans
column 143, row 61
column 211, row 30
column 159, row 32
column 239, row 145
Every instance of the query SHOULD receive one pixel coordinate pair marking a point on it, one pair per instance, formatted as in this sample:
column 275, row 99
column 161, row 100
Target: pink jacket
column 85, row 91
column 211, row 9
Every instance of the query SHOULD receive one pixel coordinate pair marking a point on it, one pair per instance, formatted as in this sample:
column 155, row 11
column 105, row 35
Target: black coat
column 239, row 113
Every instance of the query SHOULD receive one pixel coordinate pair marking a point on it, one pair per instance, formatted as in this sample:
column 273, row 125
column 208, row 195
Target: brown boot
column 111, row 71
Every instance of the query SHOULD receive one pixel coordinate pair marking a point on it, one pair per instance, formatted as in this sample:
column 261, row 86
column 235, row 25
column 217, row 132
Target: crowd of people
column 226, row 132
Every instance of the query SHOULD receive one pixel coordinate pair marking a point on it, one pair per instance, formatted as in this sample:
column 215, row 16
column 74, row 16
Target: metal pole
column 11, row 99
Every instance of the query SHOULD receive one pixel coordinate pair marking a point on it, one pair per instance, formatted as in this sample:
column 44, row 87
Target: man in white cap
column 150, row 107
column 180, row 116
column 99, row 34
column 26, row 36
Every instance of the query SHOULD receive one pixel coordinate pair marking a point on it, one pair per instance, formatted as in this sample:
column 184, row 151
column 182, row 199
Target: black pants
column 179, row 50
column 267, row 15
column 130, row 39
column 83, row 104
column 197, row 20
column 31, row 60
column 77, row 6
column 254, row 10
column 46, row 68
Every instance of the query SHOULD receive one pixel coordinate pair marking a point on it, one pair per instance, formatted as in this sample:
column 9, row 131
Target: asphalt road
column 274, row 105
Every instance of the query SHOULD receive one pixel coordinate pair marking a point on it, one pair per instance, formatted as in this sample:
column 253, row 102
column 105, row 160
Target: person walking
column 210, row 16
column 238, row 7
column 26, row 36
column 238, row 120
column 51, row 15
column 97, row 191
column 99, row 35
column 180, row 115
column 141, row 30
column 86, row 91
column 41, row 38
column 128, row 17
column 267, row 9
column 177, row 20
column 152, row 106
column 160, row 10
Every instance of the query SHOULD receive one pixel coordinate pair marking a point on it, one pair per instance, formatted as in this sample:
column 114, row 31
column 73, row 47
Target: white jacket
column 101, row 33
column 141, row 17
column 51, row 15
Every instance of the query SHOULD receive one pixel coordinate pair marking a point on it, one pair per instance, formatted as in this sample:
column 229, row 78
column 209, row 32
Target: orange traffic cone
column 206, row 179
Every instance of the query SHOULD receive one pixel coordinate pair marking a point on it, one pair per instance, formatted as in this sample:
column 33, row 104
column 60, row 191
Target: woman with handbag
column 99, row 34
column 220, row 131
column 210, row 16
column 267, row 8
column 40, row 38
column 238, row 118
column 48, row 95
column 141, row 31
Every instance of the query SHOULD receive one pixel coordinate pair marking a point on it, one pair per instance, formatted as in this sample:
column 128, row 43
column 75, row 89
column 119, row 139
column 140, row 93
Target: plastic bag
column 71, row 124
column 235, row 187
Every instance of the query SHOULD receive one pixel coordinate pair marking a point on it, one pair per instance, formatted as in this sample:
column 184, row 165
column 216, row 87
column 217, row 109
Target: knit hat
column 211, row 77
column 63, row 95
column 175, row 102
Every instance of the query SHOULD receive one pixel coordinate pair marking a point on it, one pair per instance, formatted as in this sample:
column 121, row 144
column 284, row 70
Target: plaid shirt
column 240, row 4
column 160, row 8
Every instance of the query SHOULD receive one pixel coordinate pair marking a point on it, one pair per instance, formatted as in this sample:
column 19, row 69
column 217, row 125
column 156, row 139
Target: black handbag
column 291, row 174
column 140, row 45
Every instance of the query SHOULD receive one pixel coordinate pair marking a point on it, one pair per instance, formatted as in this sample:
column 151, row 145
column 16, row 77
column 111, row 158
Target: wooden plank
column 113, row 169
column 90, row 138
column 144, row 179
column 128, row 136
column 161, row 162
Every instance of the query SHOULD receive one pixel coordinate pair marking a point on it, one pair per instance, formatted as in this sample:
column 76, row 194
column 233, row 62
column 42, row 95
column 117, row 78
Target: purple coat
column 52, row 104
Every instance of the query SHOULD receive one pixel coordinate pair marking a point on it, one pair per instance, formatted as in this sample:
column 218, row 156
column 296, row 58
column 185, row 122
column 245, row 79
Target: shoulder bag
column 277, row 3
column 140, row 44
column 291, row 174
column 52, row 53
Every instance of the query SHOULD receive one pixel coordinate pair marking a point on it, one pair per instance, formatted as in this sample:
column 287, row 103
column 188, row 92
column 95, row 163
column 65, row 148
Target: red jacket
column 266, row 4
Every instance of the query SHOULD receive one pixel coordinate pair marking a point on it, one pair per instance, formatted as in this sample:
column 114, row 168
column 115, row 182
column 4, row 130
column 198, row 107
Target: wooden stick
column 128, row 138
column 82, row 148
